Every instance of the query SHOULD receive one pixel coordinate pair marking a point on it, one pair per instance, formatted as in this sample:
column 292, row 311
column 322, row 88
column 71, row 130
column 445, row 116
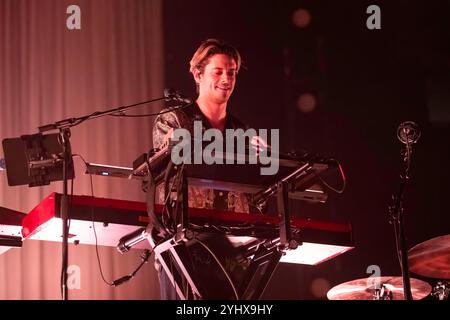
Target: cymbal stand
column 383, row 294
column 441, row 290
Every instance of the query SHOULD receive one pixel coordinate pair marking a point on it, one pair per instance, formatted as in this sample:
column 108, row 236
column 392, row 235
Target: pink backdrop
column 49, row 73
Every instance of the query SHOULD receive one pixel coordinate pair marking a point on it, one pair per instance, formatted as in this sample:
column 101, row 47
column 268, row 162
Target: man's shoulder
column 177, row 117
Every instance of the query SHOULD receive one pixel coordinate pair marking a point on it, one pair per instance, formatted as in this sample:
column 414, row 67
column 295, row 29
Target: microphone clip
column 173, row 95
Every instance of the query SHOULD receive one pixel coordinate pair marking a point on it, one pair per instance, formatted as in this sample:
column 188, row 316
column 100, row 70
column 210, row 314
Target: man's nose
column 225, row 78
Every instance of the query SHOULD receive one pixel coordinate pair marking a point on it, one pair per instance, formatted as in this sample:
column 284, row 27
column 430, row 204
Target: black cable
column 149, row 187
column 397, row 236
column 179, row 107
column 179, row 179
column 167, row 210
column 144, row 256
column 118, row 112
column 233, row 287
column 93, row 223
column 90, row 116
column 251, row 204
column 70, row 202
column 344, row 180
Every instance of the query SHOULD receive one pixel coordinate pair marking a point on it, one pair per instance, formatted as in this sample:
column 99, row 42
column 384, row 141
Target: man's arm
column 163, row 128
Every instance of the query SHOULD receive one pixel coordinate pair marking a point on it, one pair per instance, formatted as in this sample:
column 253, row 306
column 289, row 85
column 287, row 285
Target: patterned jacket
column 199, row 197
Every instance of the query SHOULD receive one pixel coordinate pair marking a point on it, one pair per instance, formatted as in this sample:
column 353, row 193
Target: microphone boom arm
column 71, row 122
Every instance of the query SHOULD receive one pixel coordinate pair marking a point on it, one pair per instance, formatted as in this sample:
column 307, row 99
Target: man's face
column 216, row 83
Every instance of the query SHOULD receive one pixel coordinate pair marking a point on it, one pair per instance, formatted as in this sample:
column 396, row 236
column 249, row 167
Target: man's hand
column 166, row 139
column 259, row 144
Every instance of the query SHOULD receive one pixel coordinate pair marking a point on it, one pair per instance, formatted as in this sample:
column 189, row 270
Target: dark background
column 366, row 81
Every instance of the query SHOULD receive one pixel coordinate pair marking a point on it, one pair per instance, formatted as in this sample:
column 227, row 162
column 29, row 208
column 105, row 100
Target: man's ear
column 197, row 76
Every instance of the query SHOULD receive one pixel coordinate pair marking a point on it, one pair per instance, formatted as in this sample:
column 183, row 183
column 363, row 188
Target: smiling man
column 214, row 66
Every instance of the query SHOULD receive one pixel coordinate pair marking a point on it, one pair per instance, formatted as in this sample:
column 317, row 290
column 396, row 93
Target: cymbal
column 431, row 258
column 365, row 289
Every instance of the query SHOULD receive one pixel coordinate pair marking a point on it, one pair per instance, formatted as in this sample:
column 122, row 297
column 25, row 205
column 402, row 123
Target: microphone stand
column 71, row 122
column 397, row 219
column 65, row 135
column 64, row 128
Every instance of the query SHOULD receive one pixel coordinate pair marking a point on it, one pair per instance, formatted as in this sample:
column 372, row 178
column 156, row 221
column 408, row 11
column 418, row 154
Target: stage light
column 301, row 18
column 306, row 102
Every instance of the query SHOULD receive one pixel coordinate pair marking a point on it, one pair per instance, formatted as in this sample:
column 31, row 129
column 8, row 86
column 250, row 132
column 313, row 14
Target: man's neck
column 215, row 113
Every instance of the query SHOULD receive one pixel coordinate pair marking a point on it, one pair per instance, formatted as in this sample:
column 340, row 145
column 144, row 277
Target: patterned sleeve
column 162, row 126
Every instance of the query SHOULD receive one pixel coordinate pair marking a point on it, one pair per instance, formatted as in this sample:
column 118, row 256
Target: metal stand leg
column 169, row 253
column 259, row 273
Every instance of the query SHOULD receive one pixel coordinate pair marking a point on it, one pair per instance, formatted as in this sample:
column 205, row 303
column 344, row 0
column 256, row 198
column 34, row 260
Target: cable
column 151, row 114
column 144, row 256
column 396, row 219
column 179, row 179
column 251, row 204
column 396, row 234
column 70, row 203
column 72, row 122
column 167, row 211
column 221, row 266
column 344, row 180
column 93, row 223
column 99, row 113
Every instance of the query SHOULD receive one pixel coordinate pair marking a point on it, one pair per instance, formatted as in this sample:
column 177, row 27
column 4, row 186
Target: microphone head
column 408, row 132
column 172, row 94
column 187, row 100
column 169, row 93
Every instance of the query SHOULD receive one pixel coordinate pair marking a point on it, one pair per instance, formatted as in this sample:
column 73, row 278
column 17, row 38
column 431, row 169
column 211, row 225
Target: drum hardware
column 441, row 290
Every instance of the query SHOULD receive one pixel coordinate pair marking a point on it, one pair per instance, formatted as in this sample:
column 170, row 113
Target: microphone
column 131, row 239
column 2, row 164
column 408, row 132
column 172, row 94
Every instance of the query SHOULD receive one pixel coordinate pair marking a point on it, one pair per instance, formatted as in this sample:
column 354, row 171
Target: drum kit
column 430, row 259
